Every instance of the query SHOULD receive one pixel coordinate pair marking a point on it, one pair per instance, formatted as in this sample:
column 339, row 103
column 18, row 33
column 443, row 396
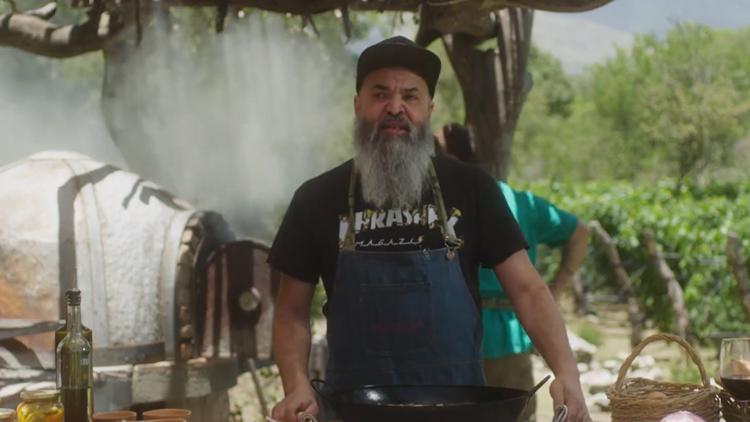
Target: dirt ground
column 609, row 323
column 612, row 323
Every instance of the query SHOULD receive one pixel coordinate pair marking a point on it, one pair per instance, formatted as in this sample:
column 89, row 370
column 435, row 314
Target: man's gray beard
column 393, row 172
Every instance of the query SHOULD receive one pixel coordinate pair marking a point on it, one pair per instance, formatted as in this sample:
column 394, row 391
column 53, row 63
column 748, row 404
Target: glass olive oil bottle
column 75, row 365
column 63, row 331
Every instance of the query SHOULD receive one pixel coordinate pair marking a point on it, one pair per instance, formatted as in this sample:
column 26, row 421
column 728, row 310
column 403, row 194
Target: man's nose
column 394, row 106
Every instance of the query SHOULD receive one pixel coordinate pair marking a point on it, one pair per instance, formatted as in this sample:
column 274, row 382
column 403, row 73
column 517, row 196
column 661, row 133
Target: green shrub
column 690, row 224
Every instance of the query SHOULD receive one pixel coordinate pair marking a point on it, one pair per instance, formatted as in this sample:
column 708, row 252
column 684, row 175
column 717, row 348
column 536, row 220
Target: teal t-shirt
column 541, row 223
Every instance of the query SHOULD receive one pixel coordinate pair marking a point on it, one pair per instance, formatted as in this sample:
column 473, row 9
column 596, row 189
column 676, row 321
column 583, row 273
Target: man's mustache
column 395, row 120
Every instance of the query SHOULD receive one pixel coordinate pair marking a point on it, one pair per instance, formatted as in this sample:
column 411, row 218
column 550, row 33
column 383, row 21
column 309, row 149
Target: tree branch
column 32, row 32
column 300, row 7
column 635, row 313
column 674, row 290
column 737, row 264
column 568, row 6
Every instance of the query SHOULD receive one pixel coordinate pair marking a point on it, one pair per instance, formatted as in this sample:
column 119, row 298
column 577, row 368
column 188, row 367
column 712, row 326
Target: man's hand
column 568, row 391
column 302, row 400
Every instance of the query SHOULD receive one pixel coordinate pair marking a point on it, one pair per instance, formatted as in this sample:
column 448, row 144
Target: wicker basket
column 644, row 400
column 733, row 410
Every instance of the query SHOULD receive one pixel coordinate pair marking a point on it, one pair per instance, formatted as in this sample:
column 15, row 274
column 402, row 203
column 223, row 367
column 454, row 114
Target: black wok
column 425, row 403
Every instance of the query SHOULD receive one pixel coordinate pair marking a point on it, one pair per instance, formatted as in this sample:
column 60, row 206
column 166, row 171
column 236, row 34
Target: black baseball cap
column 399, row 52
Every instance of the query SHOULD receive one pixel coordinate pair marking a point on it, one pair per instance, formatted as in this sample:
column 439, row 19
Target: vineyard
column 691, row 226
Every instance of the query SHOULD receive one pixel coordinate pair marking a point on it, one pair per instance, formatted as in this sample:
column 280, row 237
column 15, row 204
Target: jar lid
column 40, row 394
column 7, row 413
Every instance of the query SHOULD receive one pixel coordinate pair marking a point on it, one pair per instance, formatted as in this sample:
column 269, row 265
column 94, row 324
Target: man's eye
column 380, row 95
column 410, row 97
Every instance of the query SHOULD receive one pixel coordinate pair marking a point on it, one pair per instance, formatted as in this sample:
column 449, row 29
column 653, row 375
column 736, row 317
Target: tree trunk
column 494, row 85
column 579, row 295
column 674, row 290
column 635, row 314
column 32, row 32
column 739, row 269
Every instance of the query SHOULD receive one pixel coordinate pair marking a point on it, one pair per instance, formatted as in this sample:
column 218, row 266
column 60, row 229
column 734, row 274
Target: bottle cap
column 39, row 394
column 73, row 296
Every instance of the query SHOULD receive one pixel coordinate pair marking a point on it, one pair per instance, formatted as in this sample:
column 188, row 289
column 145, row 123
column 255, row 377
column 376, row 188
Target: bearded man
column 397, row 236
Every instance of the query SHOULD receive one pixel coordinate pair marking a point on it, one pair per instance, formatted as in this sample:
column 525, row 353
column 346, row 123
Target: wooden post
column 635, row 314
column 674, row 290
column 579, row 296
column 739, row 269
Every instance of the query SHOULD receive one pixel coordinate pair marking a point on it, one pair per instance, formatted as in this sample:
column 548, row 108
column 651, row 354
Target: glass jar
column 40, row 406
column 7, row 415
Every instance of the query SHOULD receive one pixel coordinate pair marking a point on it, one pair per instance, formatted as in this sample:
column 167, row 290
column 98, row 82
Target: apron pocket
column 397, row 317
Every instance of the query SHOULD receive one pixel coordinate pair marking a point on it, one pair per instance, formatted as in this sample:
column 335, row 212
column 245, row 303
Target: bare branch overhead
column 302, row 7
column 31, row 31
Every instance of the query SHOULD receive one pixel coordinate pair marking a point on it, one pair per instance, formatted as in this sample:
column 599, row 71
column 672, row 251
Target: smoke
column 231, row 122
column 237, row 120
column 42, row 109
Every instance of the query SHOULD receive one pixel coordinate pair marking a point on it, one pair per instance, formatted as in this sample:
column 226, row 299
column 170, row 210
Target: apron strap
column 452, row 242
column 449, row 235
column 349, row 238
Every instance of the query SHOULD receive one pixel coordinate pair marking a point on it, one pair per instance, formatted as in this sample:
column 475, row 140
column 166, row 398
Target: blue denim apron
column 403, row 317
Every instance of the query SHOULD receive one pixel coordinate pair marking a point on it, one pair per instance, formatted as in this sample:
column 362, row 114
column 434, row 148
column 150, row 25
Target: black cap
column 74, row 297
column 400, row 52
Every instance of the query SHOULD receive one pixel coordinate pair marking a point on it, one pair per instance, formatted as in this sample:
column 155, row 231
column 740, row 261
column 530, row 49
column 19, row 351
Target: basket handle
column 656, row 337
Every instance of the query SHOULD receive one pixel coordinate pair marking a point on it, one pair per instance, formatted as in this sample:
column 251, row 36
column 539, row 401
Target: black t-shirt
column 307, row 243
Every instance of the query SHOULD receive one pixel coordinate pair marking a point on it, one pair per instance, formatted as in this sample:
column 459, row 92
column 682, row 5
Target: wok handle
column 320, row 387
column 561, row 413
column 539, row 385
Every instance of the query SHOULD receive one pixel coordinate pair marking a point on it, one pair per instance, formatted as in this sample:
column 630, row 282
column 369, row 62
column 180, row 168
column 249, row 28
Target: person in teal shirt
column 506, row 347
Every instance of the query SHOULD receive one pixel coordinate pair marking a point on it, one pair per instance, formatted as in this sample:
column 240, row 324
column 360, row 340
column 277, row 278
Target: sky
column 639, row 16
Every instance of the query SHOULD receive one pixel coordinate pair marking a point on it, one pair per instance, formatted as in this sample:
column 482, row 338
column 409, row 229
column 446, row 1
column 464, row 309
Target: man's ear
column 356, row 104
column 432, row 105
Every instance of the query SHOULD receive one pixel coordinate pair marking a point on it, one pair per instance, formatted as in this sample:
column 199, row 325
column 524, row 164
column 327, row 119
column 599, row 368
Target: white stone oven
column 173, row 300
